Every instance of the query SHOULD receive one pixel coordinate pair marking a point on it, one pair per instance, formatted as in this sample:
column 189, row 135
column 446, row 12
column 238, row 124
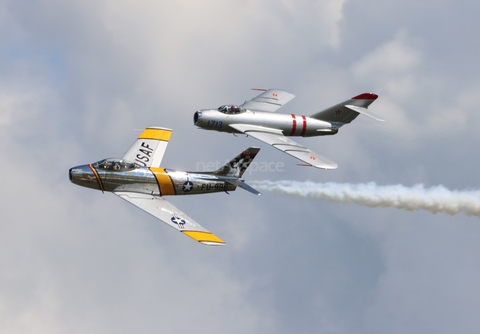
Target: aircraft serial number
column 214, row 124
column 216, row 186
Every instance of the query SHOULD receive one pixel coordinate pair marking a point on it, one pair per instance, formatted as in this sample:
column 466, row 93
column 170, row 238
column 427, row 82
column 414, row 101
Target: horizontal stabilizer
column 245, row 186
column 363, row 111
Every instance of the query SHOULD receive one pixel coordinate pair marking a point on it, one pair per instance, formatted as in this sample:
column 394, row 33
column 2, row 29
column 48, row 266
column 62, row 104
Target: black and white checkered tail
column 238, row 165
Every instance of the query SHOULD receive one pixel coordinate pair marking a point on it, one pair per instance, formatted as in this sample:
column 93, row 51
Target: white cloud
column 394, row 57
column 8, row 104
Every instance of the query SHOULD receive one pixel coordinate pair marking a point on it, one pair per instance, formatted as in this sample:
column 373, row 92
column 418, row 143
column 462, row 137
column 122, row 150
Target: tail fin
column 345, row 112
column 238, row 165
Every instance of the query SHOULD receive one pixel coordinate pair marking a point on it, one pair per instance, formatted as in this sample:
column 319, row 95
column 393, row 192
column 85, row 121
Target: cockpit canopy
column 231, row 109
column 118, row 165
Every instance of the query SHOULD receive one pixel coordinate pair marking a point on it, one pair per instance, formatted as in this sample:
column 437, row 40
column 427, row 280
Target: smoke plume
column 435, row 199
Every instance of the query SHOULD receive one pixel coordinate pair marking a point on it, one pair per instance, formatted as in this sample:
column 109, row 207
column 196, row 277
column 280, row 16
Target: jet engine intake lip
column 196, row 116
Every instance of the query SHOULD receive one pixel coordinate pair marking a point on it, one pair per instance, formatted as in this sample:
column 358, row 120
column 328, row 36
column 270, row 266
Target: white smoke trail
column 435, row 199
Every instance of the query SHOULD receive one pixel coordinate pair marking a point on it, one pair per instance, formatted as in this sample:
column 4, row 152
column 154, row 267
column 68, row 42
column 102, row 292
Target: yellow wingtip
column 206, row 238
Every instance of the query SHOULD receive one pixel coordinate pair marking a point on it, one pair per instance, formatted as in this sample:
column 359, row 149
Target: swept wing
column 169, row 214
column 276, row 138
column 149, row 148
column 269, row 100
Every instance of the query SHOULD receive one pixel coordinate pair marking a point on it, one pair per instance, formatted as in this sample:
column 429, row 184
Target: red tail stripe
column 294, row 125
column 304, row 125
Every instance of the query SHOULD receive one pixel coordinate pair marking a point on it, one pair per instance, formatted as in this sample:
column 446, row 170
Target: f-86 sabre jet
column 138, row 179
column 255, row 118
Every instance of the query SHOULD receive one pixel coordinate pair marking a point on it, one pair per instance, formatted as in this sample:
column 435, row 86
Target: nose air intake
column 196, row 116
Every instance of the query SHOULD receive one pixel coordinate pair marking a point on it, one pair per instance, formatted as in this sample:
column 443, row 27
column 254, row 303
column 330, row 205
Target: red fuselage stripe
column 294, row 125
column 304, row 125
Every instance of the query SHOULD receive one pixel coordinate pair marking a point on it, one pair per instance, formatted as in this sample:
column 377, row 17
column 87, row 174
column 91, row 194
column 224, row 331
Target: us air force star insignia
column 187, row 186
column 177, row 220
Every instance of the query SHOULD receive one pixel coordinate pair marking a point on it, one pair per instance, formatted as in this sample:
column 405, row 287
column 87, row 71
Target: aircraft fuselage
column 290, row 125
column 152, row 181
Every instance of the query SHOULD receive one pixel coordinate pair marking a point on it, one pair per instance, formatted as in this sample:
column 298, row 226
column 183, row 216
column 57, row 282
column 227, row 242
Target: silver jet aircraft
column 138, row 178
column 255, row 118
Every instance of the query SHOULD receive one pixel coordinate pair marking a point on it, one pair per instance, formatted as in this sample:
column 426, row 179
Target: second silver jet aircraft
column 256, row 119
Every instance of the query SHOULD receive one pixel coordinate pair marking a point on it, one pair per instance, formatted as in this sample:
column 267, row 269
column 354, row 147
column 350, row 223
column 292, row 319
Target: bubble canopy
column 231, row 109
column 113, row 164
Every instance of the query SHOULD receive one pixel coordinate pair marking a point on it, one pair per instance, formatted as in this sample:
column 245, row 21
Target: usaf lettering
column 144, row 154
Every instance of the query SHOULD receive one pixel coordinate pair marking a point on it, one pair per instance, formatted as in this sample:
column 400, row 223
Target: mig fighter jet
column 138, row 179
column 255, row 118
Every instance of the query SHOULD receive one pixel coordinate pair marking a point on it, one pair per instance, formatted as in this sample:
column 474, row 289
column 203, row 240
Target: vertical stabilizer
column 346, row 112
column 238, row 165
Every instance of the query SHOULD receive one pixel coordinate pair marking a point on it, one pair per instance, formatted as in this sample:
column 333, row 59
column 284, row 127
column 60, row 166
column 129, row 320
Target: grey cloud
column 78, row 78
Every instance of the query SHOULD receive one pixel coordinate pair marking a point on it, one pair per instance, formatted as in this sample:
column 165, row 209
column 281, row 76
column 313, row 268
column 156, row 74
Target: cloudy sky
column 79, row 78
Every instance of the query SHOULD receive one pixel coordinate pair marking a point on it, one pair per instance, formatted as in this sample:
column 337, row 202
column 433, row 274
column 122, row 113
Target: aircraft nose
column 77, row 173
column 86, row 176
column 81, row 175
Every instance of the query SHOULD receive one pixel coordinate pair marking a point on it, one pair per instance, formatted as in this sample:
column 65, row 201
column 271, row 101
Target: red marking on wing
column 365, row 96
column 294, row 125
column 304, row 125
